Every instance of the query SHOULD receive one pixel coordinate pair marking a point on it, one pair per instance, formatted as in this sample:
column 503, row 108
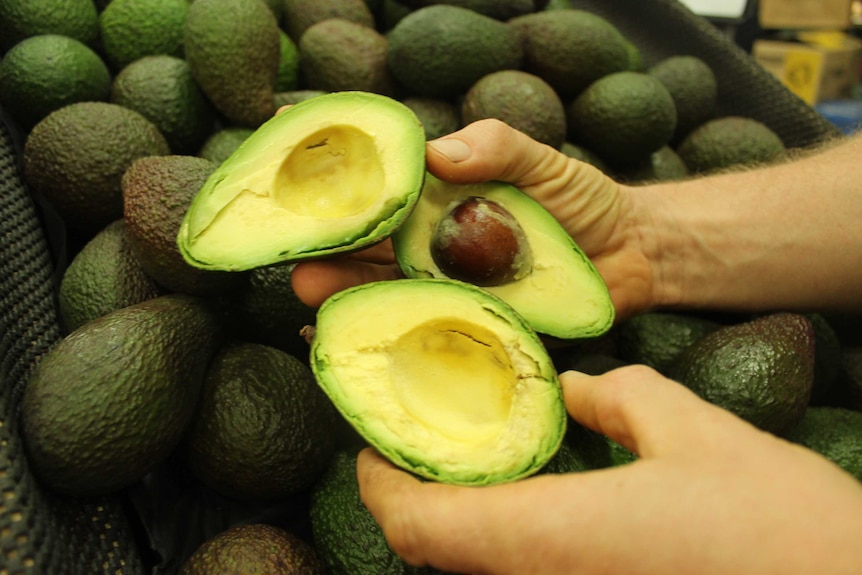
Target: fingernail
column 454, row 149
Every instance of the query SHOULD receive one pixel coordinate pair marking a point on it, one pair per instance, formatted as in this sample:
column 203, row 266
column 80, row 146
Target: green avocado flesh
column 443, row 378
column 561, row 294
column 331, row 174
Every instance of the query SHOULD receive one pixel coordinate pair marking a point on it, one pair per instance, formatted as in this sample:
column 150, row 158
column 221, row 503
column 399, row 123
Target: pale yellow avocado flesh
column 322, row 176
column 443, row 384
column 562, row 295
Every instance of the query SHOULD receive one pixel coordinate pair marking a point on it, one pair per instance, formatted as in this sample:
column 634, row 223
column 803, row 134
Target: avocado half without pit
column 495, row 236
column 442, row 377
column 335, row 173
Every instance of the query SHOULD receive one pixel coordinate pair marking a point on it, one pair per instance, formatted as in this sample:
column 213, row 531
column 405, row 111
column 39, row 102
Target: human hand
column 709, row 494
column 595, row 210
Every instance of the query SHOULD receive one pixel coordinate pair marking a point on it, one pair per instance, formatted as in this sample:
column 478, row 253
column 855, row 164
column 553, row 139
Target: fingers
column 314, row 281
column 491, row 150
column 646, row 412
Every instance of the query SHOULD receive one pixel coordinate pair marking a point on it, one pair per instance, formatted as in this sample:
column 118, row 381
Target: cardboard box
column 804, row 14
column 814, row 72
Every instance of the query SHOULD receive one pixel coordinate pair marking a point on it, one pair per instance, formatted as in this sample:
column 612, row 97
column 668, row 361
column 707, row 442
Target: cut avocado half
column 331, row 174
column 550, row 281
column 442, row 377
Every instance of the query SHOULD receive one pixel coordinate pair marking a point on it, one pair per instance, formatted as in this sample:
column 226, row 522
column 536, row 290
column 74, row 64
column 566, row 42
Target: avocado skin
column 727, row 142
column 345, row 533
column 761, row 370
column 833, row 432
column 439, row 51
column 497, row 9
column 112, row 399
column 233, row 49
column 657, row 339
column 104, row 276
column 694, row 88
column 254, row 549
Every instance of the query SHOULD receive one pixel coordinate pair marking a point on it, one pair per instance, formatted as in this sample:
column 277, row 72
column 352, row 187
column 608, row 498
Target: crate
column 804, row 14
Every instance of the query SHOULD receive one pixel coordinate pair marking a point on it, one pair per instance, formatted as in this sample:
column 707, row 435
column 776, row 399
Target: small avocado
column 233, row 48
column 132, row 29
column 157, row 191
column 345, row 534
column 520, row 99
column 657, row 339
column 438, row 117
column 337, row 55
column 332, row 174
column 223, row 142
column 761, row 370
column 102, row 277
column 20, row 19
column 300, row 15
column 263, row 430
column 833, row 432
column 288, row 76
column 694, row 88
column 114, row 398
column 163, row 90
column 623, row 117
column 254, row 549
column 46, row 72
column 729, row 142
column 495, row 236
column 462, row 392
column 570, row 49
column 266, row 310
column 76, row 157
column 440, row 51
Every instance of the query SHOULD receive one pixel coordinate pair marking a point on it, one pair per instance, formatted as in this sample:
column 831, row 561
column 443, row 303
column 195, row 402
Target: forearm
column 786, row 236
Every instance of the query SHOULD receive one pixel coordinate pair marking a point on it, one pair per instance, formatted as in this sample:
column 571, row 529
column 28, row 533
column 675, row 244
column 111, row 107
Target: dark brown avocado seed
column 480, row 242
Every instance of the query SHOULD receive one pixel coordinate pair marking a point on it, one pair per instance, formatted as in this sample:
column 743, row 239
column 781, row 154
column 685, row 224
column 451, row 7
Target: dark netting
column 41, row 533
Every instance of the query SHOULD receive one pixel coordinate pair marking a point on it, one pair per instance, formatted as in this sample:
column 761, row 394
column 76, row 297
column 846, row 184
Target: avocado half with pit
column 331, row 174
column 442, row 377
column 495, row 236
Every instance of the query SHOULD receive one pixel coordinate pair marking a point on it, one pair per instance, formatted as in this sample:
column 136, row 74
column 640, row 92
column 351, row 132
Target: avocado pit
column 479, row 241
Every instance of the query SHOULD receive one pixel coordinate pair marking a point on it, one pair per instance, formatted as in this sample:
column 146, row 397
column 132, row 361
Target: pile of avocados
column 197, row 150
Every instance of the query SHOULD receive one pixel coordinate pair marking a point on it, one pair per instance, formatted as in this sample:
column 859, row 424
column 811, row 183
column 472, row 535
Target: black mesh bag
column 42, row 533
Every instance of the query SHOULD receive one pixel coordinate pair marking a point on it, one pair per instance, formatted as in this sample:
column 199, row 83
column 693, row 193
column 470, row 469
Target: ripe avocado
column 833, row 432
column 727, row 142
column 462, row 392
column 521, row 100
column 762, row 370
column 252, row 549
column 657, row 338
column 46, row 72
column 132, row 29
column 223, row 142
column 438, row 117
column 554, row 285
column 76, row 156
column 113, row 399
column 337, row 54
column 103, row 276
column 157, row 191
column 263, row 430
column 694, row 88
column 440, row 51
column 162, row 89
column 233, row 48
column 300, row 15
column 623, row 117
column 20, row 19
column 345, row 534
column 570, row 49
column 331, row 174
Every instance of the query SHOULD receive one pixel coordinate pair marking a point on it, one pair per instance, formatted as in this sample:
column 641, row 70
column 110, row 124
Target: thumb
column 646, row 412
column 492, row 150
